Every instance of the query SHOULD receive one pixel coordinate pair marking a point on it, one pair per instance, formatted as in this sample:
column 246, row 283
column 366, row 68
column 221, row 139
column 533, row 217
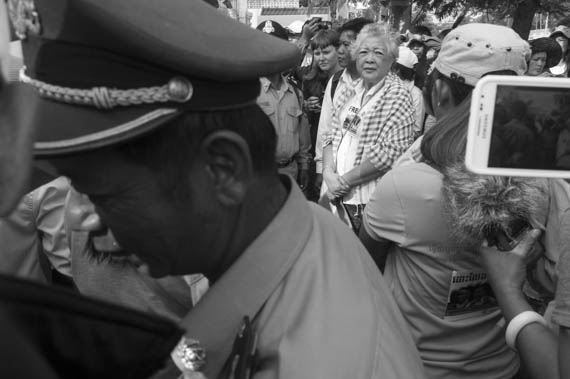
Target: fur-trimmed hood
column 476, row 204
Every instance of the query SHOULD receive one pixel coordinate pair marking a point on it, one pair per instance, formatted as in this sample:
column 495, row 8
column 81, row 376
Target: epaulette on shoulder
column 294, row 82
column 297, row 88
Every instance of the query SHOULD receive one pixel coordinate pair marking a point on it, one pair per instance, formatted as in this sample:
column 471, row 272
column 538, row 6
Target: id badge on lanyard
column 351, row 124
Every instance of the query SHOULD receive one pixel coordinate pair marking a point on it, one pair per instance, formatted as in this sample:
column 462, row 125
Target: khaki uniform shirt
column 283, row 108
column 36, row 227
column 319, row 305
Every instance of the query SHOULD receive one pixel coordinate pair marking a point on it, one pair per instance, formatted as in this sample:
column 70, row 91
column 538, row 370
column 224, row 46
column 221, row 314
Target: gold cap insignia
column 268, row 27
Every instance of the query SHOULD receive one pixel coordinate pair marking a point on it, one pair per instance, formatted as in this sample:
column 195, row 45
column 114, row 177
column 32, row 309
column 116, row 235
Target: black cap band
column 78, row 67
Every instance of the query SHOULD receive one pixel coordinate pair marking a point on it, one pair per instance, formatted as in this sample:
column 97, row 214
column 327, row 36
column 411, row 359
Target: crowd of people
column 242, row 205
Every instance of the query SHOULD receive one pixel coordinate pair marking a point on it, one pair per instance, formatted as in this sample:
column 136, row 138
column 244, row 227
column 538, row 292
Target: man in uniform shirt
column 187, row 183
column 282, row 102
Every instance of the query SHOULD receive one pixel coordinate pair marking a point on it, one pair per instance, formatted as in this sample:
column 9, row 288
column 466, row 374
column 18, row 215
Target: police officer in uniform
column 282, row 101
column 149, row 109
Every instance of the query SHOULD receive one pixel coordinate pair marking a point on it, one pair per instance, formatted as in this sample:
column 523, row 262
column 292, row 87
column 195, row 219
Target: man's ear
column 229, row 165
column 443, row 98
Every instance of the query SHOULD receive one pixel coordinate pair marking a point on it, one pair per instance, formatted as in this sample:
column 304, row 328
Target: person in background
column 340, row 88
column 518, row 136
column 35, row 231
column 544, row 348
column 433, row 45
column 282, row 102
column 325, row 63
column 32, row 237
column 403, row 228
column 405, row 69
column 561, row 34
column 310, row 27
column 38, row 245
column 426, row 242
column 453, row 76
column 546, row 53
column 417, row 43
column 373, row 128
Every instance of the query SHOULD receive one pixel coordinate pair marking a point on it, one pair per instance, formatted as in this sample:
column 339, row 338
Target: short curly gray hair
column 381, row 31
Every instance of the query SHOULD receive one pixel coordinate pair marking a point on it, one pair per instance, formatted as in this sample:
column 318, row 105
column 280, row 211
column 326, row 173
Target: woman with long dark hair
column 424, row 227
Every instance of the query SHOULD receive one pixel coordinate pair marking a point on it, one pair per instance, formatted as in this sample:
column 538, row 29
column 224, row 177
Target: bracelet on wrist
column 518, row 323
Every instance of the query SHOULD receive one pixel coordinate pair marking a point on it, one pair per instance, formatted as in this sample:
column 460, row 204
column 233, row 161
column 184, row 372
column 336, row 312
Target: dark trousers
column 355, row 212
column 312, row 192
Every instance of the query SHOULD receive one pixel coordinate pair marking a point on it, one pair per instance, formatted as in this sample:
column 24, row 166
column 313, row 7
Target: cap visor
column 68, row 129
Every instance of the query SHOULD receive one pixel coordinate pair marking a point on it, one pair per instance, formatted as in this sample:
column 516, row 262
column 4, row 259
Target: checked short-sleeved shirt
column 386, row 124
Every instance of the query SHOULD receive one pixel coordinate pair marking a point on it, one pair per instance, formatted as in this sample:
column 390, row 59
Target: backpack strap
column 334, row 84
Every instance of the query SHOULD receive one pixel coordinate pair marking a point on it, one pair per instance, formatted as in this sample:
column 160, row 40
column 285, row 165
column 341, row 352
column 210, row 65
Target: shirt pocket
column 267, row 108
column 293, row 119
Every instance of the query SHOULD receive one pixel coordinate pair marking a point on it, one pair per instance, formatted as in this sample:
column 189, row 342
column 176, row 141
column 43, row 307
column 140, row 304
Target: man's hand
column 313, row 104
column 310, row 29
column 303, row 179
column 507, row 269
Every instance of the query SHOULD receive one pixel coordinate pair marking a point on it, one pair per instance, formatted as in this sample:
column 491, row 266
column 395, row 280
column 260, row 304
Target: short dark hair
column 170, row 150
column 355, row 25
column 564, row 22
column 415, row 42
column 405, row 73
column 421, row 29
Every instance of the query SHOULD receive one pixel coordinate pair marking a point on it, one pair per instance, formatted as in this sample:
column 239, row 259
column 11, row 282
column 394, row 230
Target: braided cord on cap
column 176, row 90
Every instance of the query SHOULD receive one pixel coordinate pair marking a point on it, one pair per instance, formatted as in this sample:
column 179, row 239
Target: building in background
column 286, row 12
column 259, row 4
column 290, row 17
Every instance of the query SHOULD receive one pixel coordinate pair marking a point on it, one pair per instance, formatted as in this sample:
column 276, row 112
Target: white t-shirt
column 419, row 108
column 346, row 154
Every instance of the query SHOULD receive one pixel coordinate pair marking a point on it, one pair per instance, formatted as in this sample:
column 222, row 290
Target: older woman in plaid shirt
column 372, row 129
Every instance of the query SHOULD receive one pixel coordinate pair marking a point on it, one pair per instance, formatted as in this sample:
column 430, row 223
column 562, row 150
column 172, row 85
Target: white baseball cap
column 470, row 51
column 407, row 58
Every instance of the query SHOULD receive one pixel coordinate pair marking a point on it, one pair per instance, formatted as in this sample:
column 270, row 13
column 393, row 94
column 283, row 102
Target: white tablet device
column 520, row 126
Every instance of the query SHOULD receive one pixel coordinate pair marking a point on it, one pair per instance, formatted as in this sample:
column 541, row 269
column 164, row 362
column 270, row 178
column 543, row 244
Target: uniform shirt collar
column 266, row 84
column 247, row 284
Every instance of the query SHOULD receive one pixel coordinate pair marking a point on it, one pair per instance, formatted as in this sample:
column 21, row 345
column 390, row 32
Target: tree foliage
column 501, row 8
